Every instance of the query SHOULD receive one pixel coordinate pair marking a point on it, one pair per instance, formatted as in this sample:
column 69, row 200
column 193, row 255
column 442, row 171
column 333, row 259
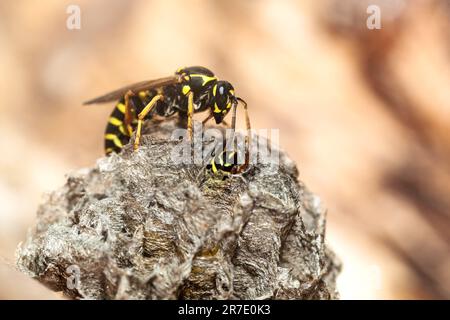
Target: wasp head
column 223, row 100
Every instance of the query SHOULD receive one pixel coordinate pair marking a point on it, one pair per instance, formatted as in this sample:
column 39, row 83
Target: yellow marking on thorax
column 180, row 69
column 214, row 90
column 186, row 89
column 205, row 79
column 114, row 138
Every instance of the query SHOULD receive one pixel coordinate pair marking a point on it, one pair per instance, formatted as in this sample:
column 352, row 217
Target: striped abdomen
column 116, row 134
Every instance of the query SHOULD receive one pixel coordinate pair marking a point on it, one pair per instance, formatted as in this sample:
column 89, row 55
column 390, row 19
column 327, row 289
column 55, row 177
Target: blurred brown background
column 364, row 113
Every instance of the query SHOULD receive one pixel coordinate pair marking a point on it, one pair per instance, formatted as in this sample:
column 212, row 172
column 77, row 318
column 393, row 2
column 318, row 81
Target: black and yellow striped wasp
column 224, row 162
column 189, row 90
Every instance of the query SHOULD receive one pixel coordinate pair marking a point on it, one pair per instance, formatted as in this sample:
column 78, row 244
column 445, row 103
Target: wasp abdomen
column 116, row 132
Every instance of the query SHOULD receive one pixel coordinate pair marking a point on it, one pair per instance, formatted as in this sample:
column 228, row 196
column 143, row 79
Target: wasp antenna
column 233, row 121
column 243, row 101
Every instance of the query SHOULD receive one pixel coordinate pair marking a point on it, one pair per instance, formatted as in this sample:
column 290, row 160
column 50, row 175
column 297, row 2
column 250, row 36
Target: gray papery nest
column 137, row 226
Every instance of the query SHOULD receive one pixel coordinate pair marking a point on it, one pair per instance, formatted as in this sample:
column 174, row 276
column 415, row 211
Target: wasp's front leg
column 248, row 137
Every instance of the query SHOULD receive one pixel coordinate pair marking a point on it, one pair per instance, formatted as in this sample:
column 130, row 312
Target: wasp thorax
column 223, row 98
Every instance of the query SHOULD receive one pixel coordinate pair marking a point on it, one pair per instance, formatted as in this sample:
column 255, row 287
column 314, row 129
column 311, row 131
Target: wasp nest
column 137, row 226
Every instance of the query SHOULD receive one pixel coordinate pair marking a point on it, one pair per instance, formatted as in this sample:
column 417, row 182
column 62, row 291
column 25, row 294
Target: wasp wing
column 135, row 87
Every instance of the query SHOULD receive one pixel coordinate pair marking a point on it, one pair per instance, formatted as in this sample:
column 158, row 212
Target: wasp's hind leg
column 149, row 107
column 131, row 103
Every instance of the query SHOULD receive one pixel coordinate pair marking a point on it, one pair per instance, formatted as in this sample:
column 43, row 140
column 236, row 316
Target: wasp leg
column 141, row 117
column 128, row 114
column 190, row 114
column 233, row 119
column 226, row 124
column 207, row 118
column 248, row 137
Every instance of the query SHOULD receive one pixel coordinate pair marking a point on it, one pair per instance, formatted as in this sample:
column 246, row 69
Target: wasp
column 224, row 162
column 188, row 91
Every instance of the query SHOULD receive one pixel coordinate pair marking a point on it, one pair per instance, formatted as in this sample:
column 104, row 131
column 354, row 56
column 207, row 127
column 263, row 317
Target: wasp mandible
column 189, row 90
